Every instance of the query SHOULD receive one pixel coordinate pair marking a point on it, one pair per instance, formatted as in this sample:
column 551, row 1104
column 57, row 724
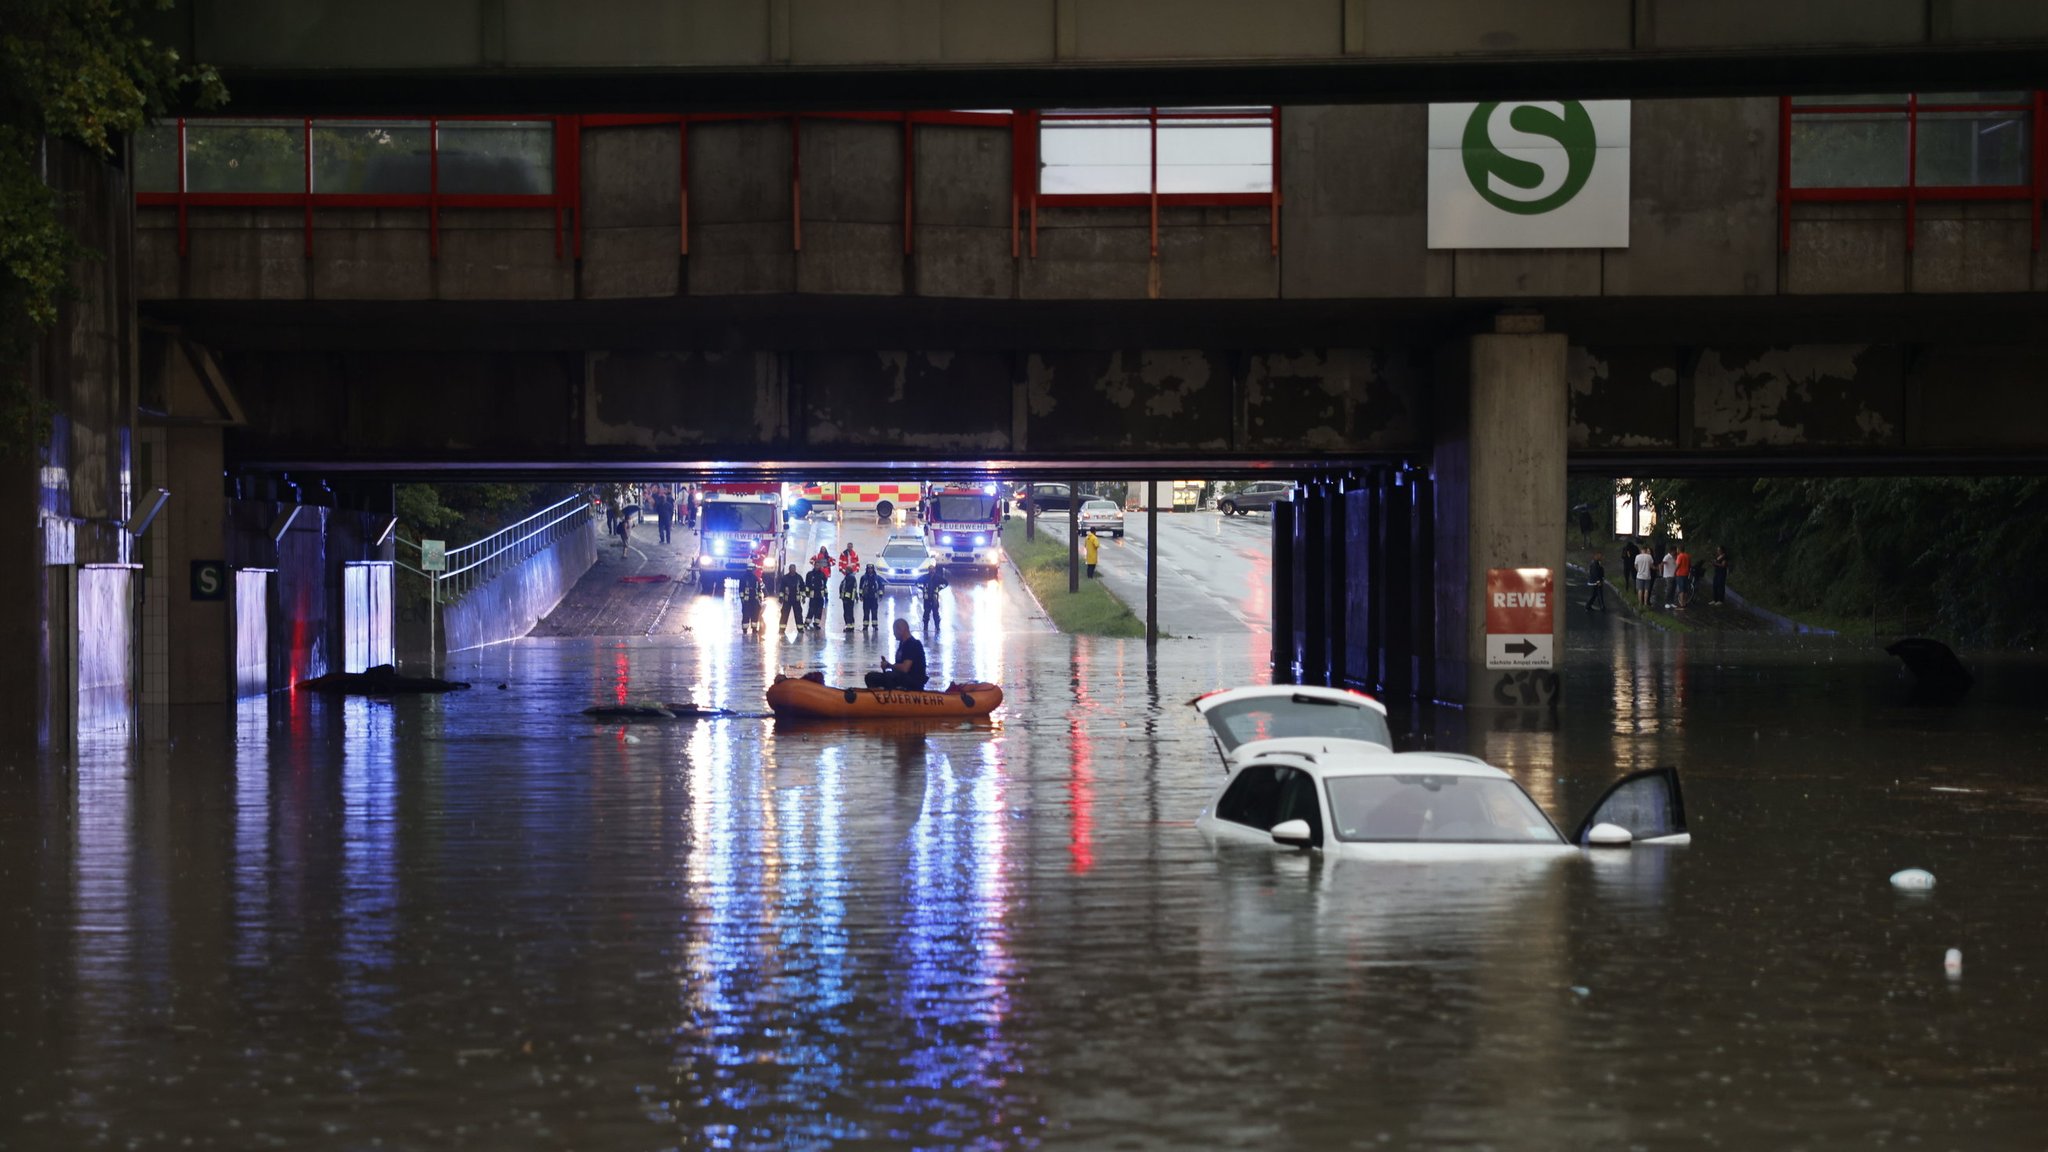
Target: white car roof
column 1256, row 691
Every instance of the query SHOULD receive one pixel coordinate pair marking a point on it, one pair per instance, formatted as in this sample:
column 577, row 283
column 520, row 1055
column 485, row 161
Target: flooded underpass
column 484, row 920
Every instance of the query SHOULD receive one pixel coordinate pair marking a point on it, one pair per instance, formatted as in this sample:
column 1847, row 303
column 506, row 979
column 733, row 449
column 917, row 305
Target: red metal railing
column 1914, row 191
column 565, row 200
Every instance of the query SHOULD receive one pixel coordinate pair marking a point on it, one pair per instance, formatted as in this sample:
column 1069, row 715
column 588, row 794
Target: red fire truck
column 963, row 525
column 738, row 526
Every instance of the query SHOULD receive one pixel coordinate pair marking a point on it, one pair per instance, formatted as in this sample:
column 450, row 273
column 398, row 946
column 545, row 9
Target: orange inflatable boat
column 813, row 699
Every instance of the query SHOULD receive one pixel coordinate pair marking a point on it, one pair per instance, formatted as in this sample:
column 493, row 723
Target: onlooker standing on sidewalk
column 1669, row 571
column 1684, row 567
column 1090, row 547
column 1720, row 575
column 664, row 512
column 1596, row 576
column 1643, row 563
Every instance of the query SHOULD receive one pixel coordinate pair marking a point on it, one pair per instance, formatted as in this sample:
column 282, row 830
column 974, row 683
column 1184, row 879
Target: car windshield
column 1436, row 809
column 723, row 517
column 964, row 508
column 1276, row 717
column 903, row 555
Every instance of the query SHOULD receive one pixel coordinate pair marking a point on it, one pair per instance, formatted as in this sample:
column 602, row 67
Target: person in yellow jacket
column 1090, row 546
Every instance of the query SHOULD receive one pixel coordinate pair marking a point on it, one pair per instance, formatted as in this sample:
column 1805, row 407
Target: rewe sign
column 1518, row 619
column 1529, row 174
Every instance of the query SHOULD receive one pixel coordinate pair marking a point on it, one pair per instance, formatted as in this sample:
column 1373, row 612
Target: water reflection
column 483, row 920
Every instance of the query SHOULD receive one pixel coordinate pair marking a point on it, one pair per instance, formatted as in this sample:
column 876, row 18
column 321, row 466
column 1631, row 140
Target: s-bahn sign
column 1518, row 619
column 1529, row 174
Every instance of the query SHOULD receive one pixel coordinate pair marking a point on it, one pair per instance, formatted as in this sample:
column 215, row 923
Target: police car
column 904, row 559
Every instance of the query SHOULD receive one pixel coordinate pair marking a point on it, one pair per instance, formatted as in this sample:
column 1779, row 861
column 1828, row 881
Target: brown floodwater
column 485, row 921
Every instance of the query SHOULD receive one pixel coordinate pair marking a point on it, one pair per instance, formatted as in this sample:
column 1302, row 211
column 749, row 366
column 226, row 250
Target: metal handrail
column 480, row 561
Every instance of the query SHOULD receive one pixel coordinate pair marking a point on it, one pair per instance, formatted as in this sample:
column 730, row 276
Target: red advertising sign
column 1518, row 620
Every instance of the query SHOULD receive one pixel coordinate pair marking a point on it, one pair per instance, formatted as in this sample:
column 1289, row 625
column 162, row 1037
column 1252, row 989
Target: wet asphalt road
column 484, row 921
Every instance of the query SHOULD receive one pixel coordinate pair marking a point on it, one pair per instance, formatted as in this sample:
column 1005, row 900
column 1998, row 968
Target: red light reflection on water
column 1081, row 777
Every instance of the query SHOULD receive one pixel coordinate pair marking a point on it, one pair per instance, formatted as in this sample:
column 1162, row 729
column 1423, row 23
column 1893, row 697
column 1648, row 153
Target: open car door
column 1647, row 803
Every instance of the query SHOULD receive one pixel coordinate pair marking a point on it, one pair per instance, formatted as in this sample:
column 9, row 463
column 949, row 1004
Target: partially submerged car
column 1315, row 768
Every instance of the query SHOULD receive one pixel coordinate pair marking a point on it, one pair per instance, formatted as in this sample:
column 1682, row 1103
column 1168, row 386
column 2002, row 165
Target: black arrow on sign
column 1525, row 648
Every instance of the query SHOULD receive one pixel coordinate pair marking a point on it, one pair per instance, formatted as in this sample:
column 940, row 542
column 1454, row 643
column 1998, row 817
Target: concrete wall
column 509, row 606
column 63, row 500
column 1703, row 223
column 765, row 35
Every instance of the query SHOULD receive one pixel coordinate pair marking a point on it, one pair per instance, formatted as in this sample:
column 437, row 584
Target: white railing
column 476, row 564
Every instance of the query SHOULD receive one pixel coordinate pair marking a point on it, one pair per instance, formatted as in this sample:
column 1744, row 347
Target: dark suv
column 1048, row 497
column 1258, row 496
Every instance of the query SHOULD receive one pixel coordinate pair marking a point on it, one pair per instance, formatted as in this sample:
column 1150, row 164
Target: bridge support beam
column 1499, row 473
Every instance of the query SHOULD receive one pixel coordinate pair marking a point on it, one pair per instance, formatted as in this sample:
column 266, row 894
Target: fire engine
column 738, row 526
column 963, row 525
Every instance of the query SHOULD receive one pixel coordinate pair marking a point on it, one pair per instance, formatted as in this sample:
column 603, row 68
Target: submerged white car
column 1315, row 768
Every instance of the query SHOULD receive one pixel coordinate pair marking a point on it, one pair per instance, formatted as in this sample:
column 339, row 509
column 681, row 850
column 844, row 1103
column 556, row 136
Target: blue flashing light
column 980, row 541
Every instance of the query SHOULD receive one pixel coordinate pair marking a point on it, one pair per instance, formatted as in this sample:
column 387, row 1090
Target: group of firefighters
column 802, row 594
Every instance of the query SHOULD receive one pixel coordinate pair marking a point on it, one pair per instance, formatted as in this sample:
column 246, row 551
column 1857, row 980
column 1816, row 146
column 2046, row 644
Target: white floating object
column 632, row 739
column 1913, row 879
column 1953, row 962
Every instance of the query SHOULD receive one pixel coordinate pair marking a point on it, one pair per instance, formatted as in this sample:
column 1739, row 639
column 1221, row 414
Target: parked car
column 1314, row 768
column 903, row 559
column 1102, row 517
column 1048, row 497
column 1258, row 496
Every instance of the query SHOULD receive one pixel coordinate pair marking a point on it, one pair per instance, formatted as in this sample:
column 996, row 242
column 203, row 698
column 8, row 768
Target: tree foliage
column 1955, row 556
column 76, row 70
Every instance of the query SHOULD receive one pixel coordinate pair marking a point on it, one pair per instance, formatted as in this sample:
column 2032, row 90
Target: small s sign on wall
column 209, row 579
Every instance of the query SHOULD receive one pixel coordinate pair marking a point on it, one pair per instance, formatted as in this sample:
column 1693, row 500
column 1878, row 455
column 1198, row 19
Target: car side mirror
column 1293, row 833
column 1608, row 836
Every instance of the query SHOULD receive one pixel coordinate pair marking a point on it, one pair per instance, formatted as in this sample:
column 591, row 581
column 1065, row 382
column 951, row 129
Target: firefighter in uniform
column 870, row 598
column 848, row 588
column 750, row 600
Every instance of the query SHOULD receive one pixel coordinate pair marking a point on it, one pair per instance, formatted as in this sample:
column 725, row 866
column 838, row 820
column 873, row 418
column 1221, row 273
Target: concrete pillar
column 201, row 651
column 1499, row 472
column 1311, row 576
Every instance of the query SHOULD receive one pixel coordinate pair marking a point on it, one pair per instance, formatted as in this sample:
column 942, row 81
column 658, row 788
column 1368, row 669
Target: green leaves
column 74, row 70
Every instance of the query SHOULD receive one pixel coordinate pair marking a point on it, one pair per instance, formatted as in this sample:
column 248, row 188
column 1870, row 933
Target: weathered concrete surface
column 659, row 400
column 1845, row 249
column 1623, row 397
column 1333, row 400
column 926, row 402
column 1703, row 208
column 632, row 214
column 1354, row 225
column 741, row 236
column 1131, row 402
column 1811, row 396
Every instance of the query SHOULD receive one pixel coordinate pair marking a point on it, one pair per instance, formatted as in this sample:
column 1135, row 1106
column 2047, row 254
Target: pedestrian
column 1720, row 575
column 1644, row 562
column 1668, row 569
column 750, row 600
column 625, row 530
column 1684, row 570
column 906, row 672
column 1596, row 576
column 870, row 598
column 1628, row 560
column 816, row 585
column 849, row 561
column 790, row 591
column 849, row 587
column 1090, row 546
column 664, row 512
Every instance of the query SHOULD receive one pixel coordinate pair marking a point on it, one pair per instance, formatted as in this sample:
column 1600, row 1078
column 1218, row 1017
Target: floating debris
column 1913, row 879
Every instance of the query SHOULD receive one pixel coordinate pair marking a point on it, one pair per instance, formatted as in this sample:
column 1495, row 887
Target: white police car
column 1315, row 768
column 904, row 559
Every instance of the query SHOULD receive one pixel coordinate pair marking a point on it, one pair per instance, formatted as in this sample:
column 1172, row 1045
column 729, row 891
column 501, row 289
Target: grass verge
column 1092, row 611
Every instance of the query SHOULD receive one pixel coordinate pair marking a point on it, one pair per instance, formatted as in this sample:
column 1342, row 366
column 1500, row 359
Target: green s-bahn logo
column 1554, row 146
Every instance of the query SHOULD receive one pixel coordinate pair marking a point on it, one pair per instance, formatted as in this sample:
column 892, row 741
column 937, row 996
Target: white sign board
column 1529, row 174
column 433, row 555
